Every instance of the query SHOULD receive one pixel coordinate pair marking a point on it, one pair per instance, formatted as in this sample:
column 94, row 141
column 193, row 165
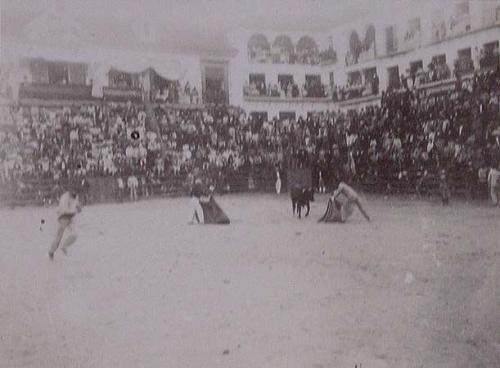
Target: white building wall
column 480, row 13
column 182, row 67
column 240, row 67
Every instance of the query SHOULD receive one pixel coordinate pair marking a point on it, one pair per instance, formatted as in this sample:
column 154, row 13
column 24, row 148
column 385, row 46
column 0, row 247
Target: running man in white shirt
column 69, row 206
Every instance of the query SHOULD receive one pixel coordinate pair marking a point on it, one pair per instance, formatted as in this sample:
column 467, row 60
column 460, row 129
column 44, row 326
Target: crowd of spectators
column 220, row 142
column 409, row 136
column 412, row 135
column 74, row 143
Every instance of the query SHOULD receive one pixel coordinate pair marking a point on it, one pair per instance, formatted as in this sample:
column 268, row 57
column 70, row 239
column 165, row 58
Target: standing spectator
column 494, row 184
column 444, row 188
column 278, row 182
column 483, row 180
column 144, row 186
column 251, row 183
column 404, row 81
column 121, row 189
column 196, row 95
column 375, row 83
column 85, row 190
column 132, row 184
column 321, row 183
column 187, row 93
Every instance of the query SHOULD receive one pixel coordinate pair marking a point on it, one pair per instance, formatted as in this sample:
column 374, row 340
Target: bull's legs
column 293, row 207
column 299, row 210
column 308, row 209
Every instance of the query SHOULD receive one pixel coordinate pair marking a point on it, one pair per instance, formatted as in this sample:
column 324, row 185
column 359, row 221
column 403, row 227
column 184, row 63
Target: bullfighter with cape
column 341, row 205
column 205, row 208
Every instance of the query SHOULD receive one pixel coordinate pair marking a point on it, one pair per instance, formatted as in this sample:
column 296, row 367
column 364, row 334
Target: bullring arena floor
column 417, row 287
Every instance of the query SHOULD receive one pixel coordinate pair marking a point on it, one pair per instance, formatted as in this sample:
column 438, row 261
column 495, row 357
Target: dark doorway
column 215, row 82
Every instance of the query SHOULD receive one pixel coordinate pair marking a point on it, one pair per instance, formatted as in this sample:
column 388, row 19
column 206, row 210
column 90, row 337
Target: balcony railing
column 285, row 99
column 358, row 101
column 122, row 94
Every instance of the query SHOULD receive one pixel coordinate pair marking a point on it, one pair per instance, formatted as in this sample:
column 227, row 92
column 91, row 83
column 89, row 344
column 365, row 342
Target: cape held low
column 213, row 213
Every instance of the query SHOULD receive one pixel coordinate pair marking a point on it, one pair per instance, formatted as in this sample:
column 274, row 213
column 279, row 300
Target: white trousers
column 196, row 208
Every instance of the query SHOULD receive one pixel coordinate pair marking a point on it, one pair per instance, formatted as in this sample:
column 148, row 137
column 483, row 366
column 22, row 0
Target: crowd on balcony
column 361, row 50
column 284, row 51
column 356, row 88
column 174, row 93
column 440, row 71
column 286, row 90
column 160, row 89
column 281, row 55
column 463, row 66
column 435, row 72
column 489, row 57
column 364, row 54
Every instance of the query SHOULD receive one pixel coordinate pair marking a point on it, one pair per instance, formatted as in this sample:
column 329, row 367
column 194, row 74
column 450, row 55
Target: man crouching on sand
column 69, row 206
column 340, row 205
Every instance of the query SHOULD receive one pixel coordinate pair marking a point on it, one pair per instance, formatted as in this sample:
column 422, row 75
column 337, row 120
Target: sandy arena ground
column 417, row 287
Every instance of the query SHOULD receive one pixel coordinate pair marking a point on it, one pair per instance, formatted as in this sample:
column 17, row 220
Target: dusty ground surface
column 417, row 287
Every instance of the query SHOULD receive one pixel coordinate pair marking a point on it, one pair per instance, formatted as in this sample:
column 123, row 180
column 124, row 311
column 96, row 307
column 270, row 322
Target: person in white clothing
column 198, row 194
column 69, row 206
column 321, row 183
column 494, row 184
column 341, row 205
column 132, row 184
column 278, row 182
column 121, row 189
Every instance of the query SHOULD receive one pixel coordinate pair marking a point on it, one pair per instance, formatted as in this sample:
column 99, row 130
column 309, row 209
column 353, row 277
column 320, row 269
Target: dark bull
column 301, row 197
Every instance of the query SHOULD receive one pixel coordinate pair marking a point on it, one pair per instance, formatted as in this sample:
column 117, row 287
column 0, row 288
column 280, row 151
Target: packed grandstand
column 397, row 145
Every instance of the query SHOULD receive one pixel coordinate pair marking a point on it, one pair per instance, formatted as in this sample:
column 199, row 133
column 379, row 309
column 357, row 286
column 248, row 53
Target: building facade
column 271, row 73
column 420, row 44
